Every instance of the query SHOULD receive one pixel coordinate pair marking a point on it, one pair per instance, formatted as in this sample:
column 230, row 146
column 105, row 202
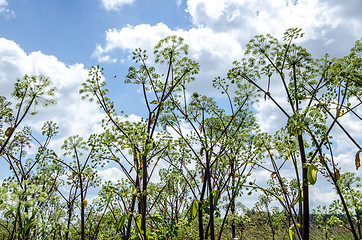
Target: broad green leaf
column 291, row 234
column 155, row 218
column 28, row 224
column 10, row 211
column 312, row 174
column 216, row 196
column 121, row 222
column 126, row 146
column 193, row 209
column 138, row 222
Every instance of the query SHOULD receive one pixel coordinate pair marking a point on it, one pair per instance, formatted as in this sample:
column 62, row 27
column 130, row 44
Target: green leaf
column 300, row 195
column 121, row 222
column 155, row 218
column 126, row 146
column 193, row 209
column 291, row 232
column 138, row 222
column 312, row 174
column 10, row 211
column 216, row 197
column 28, row 224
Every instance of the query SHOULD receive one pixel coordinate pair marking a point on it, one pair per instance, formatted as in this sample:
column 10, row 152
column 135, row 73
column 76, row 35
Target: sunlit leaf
column 155, row 102
column 121, row 222
column 300, row 195
column 312, row 174
column 28, row 224
column 152, row 119
column 138, row 222
column 193, row 209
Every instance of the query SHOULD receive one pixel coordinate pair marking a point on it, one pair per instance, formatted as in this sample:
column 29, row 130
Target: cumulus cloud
column 222, row 27
column 110, row 5
column 329, row 25
column 112, row 174
column 353, row 125
column 73, row 115
column 319, row 197
column 261, row 17
column 131, row 37
column 346, row 161
column 214, row 51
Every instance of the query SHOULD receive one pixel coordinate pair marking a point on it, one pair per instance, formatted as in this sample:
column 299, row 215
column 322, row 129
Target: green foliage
column 325, row 222
column 350, row 187
column 203, row 152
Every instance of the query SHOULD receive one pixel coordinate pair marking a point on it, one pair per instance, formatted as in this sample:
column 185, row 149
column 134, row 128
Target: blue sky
column 62, row 39
column 71, row 29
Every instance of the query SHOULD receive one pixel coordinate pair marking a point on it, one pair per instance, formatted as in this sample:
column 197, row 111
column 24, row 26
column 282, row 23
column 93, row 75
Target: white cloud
column 222, row 27
column 178, row 2
column 73, row 115
column 111, row 174
column 269, row 117
column 129, row 38
column 330, row 26
column 115, row 4
column 319, row 197
column 4, row 11
column 214, row 51
column 261, row 17
column 353, row 126
column 107, row 59
column 345, row 161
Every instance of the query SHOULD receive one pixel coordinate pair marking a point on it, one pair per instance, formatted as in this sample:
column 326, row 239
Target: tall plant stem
column 305, row 220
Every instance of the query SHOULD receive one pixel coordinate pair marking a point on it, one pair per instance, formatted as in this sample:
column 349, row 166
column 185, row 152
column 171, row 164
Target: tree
column 216, row 139
column 180, row 69
column 82, row 175
column 312, row 89
column 25, row 196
